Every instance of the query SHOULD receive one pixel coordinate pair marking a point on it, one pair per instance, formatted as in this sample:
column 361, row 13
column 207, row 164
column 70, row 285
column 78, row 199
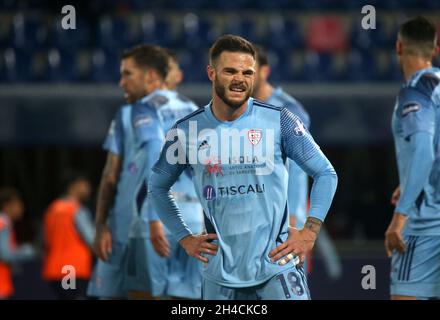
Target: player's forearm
column 160, row 196
column 10, row 256
column 85, row 228
column 419, row 169
column 324, row 185
column 297, row 193
column 106, row 195
column 152, row 150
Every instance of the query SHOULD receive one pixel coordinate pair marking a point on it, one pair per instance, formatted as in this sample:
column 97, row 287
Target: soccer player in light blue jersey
column 122, row 191
column 412, row 239
column 161, row 267
column 297, row 194
column 236, row 148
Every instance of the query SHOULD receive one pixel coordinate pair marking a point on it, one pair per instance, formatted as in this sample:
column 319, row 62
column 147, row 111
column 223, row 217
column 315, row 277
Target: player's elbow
column 110, row 180
column 156, row 184
column 329, row 176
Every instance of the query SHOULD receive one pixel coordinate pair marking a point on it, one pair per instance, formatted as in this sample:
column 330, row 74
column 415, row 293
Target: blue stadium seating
column 155, row 30
column 28, row 32
column 104, row 66
column 17, row 65
column 72, row 38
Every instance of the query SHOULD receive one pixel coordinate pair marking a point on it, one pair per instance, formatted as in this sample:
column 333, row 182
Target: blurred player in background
column 175, row 74
column 157, row 265
column 297, row 196
column 244, row 198
column 11, row 210
column 68, row 237
column 412, row 239
column 123, row 187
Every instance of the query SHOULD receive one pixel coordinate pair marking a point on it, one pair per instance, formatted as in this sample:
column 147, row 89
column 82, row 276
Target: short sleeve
column 114, row 140
column 417, row 113
column 146, row 123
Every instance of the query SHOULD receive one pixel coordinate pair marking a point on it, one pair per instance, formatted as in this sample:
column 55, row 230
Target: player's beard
column 220, row 90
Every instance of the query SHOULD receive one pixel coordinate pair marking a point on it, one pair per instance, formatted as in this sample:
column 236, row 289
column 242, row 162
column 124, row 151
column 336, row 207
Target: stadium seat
column 28, row 32
column 280, row 66
column 70, row 39
column 104, row 66
column 155, row 30
column 317, row 67
column 17, row 65
column 360, row 66
column 326, row 34
column 61, row 65
column 369, row 39
column 283, row 34
column 194, row 64
column 197, row 33
column 114, row 33
column 244, row 27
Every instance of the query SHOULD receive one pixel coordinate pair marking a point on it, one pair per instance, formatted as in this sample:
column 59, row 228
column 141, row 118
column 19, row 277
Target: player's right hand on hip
column 102, row 245
column 196, row 245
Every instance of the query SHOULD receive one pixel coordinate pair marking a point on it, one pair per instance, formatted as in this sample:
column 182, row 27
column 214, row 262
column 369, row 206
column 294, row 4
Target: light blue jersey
column 241, row 180
column 133, row 127
column 146, row 271
column 170, row 111
column 298, row 179
column 415, row 125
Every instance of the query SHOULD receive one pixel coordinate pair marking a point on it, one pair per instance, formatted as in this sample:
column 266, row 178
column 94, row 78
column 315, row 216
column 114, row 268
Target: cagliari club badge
column 254, row 136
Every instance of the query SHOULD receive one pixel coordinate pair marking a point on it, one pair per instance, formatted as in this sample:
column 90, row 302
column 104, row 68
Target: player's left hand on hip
column 299, row 243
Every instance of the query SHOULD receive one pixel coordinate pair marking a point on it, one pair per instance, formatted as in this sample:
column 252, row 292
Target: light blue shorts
column 107, row 279
column 291, row 284
column 177, row 276
column 416, row 272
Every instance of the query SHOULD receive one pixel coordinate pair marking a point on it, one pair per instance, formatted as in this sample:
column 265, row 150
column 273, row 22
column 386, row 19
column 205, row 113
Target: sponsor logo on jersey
column 132, row 167
column 209, row 192
column 299, row 129
column 213, row 168
column 145, row 120
column 412, row 107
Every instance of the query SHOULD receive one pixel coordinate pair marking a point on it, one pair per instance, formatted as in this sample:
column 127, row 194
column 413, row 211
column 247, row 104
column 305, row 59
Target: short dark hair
column 262, row 56
column 231, row 43
column 149, row 57
column 69, row 176
column 8, row 194
column 420, row 33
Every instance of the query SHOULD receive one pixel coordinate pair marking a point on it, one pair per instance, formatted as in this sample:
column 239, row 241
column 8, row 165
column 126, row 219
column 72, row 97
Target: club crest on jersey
column 254, row 136
column 299, row 128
